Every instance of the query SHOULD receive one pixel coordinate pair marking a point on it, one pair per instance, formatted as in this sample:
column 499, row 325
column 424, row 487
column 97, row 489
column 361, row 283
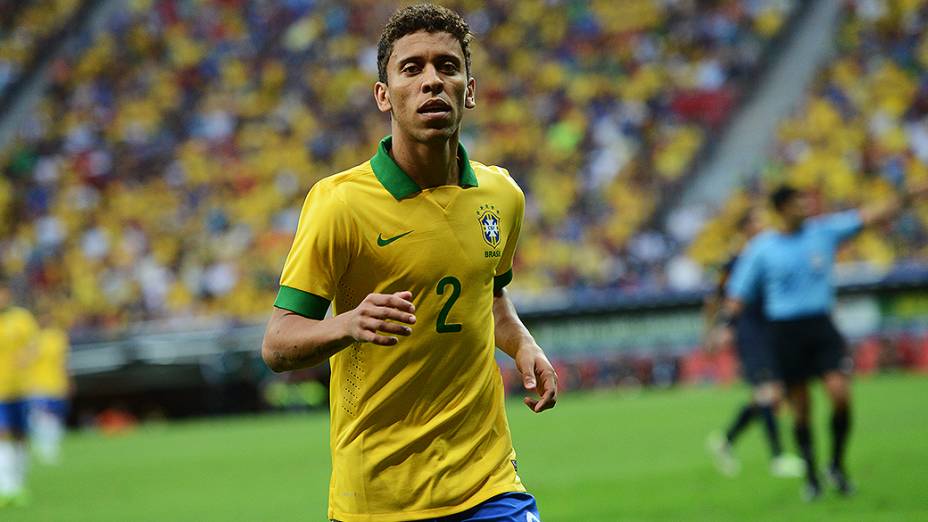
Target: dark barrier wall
column 594, row 339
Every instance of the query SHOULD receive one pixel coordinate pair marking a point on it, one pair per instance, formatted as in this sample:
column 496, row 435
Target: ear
column 470, row 96
column 382, row 97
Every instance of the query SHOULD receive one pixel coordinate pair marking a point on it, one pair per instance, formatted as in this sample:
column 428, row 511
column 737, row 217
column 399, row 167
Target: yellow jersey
column 418, row 429
column 48, row 373
column 18, row 331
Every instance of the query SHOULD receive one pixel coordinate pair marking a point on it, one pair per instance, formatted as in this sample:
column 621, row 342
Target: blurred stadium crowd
column 162, row 173
column 860, row 135
column 24, row 27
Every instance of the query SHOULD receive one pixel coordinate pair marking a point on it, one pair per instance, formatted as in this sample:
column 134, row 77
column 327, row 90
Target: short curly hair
column 782, row 195
column 422, row 17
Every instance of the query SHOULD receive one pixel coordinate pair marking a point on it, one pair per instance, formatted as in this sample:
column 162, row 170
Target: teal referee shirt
column 793, row 273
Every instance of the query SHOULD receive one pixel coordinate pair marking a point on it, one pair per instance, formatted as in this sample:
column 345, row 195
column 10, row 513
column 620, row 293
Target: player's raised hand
column 380, row 314
column 537, row 375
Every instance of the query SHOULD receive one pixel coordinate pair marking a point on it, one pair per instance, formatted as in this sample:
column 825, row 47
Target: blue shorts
column 14, row 416
column 508, row 507
column 55, row 406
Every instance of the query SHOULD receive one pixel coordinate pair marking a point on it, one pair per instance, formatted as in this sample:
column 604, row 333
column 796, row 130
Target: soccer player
column 18, row 330
column 415, row 248
column 791, row 269
column 47, row 390
column 759, row 370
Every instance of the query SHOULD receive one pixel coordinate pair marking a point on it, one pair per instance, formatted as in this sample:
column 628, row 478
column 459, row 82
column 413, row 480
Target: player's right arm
column 713, row 303
column 28, row 352
column 293, row 341
column 715, row 337
column 299, row 334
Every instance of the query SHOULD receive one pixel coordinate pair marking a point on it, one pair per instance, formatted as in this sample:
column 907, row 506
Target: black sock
column 770, row 428
column 741, row 421
column 840, row 427
column 803, row 435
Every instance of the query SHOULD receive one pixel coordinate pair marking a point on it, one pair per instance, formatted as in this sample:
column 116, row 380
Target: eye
column 449, row 67
column 411, row 68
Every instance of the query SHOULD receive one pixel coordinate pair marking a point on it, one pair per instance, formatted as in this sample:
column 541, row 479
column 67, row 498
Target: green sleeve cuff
column 501, row 281
column 303, row 303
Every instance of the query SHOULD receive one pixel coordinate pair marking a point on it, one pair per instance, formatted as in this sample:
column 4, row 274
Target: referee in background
column 791, row 271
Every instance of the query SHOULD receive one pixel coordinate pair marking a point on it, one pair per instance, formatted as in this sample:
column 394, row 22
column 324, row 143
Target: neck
column 791, row 228
column 428, row 164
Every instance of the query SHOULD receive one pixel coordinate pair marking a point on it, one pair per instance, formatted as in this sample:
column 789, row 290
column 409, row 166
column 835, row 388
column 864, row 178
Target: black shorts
column 758, row 364
column 808, row 347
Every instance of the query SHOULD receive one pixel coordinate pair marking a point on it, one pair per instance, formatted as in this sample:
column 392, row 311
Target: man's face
column 427, row 87
column 796, row 210
column 755, row 222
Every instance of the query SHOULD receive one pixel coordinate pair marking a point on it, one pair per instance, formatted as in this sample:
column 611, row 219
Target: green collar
column 398, row 183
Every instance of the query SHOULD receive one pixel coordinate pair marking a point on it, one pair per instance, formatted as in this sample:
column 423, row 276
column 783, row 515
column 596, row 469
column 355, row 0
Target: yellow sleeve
column 29, row 331
column 319, row 256
column 504, row 268
column 58, row 342
column 30, row 325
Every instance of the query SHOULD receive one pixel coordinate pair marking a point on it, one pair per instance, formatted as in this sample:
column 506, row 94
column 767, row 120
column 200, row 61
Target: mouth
column 435, row 108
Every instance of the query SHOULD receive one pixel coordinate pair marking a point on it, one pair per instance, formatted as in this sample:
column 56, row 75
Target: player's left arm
column 30, row 351
column 533, row 365
column 512, row 336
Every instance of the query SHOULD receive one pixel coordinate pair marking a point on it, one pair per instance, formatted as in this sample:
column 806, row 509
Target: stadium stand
column 162, row 174
column 24, row 27
column 860, row 135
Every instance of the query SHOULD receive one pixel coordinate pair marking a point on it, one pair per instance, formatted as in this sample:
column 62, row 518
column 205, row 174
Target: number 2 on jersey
column 440, row 325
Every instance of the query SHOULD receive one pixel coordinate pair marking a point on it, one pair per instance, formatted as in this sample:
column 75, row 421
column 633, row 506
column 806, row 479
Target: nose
column 431, row 80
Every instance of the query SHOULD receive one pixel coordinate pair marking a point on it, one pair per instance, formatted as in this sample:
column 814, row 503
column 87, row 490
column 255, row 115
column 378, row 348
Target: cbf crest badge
column 489, row 220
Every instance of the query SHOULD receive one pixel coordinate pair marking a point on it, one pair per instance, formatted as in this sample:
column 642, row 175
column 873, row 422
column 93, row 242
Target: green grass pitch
column 599, row 456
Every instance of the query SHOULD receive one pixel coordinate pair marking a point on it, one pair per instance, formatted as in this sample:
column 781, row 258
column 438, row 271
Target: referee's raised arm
column 887, row 210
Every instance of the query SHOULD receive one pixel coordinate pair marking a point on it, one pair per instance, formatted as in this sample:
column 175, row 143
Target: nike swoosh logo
column 384, row 242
